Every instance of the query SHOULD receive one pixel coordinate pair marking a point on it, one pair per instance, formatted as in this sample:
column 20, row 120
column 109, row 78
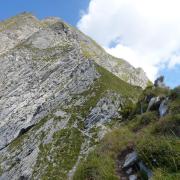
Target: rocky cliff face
column 57, row 96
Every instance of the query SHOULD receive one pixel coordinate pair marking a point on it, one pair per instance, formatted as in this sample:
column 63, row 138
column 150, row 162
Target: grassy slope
column 108, row 81
column 59, row 156
column 153, row 138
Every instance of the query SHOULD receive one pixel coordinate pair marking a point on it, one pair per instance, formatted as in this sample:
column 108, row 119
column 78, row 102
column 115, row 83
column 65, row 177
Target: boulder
column 163, row 108
column 153, row 102
column 130, row 159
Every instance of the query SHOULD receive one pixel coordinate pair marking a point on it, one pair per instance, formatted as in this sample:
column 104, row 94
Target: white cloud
column 175, row 59
column 146, row 32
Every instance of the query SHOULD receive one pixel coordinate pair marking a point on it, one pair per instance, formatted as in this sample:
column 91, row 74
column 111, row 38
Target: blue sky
column 116, row 25
column 172, row 76
column 69, row 10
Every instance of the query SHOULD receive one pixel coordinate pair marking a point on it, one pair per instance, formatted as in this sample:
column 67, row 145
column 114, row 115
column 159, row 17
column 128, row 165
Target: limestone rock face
column 31, row 85
column 56, row 96
column 163, row 108
column 105, row 110
column 130, row 159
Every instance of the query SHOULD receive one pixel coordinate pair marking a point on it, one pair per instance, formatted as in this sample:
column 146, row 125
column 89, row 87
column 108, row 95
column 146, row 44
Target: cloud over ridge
column 145, row 33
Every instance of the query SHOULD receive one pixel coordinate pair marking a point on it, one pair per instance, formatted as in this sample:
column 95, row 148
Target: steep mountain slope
column 20, row 27
column 57, row 97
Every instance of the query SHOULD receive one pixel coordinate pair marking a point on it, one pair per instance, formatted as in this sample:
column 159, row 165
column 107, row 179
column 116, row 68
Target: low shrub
column 143, row 120
column 159, row 152
column 168, row 125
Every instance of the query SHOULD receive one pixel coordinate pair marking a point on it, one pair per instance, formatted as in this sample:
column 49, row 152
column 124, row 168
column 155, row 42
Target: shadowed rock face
column 47, row 74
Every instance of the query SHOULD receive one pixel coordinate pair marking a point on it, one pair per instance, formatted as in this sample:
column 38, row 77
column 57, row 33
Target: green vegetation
column 127, row 109
column 108, row 81
column 155, row 139
column 159, row 174
column 159, row 152
column 60, row 154
column 99, row 167
column 86, row 51
column 152, row 91
column 58, row 157
column 146, row 95
column 1, row 170
column 174, row 106
column 149, row 84
column 48, row 54
column 141, row 121
column 168, row 126
column 100, row 164
column 175, row 93
column 18, row 142
column 98, row 90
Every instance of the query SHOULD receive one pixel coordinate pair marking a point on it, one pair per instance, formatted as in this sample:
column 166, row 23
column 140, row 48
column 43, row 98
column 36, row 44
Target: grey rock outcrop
column 160, row 104
column 16, row 29
column 130, row 159
column 159, row 82
column 163, row 108
column 29, row 89
column 106, row 109
column 22, row 165
column 153, row 102
column 145, row 169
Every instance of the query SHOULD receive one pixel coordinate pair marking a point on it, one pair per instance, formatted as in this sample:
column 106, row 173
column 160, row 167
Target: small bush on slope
column 168, row 126
column 159, row 152
column 140, row 121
